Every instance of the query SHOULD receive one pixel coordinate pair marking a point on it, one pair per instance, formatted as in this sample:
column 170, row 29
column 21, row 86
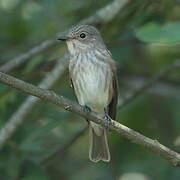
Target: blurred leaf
column 32, row 171
column 12, row 165
column 8, row 98
column 29, row 9
column 8, row 4
column 34, row 142
column 3, row 87
column 153, row 32
column 33, row 146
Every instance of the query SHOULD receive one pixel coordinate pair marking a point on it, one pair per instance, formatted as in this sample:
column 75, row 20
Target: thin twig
column 11, row 64
column 135, row 137
column 148, row 85
column 162, row 88
column 103, row 15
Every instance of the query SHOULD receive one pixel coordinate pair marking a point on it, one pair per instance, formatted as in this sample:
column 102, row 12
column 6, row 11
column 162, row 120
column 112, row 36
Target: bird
column 93, row 77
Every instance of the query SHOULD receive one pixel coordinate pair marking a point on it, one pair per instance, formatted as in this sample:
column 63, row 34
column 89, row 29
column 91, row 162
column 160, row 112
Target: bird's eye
column 82, row 35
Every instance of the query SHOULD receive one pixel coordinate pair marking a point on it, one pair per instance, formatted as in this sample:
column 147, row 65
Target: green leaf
column 155, row 33
column 32, row 171
column 34, row 142
column 2, row 88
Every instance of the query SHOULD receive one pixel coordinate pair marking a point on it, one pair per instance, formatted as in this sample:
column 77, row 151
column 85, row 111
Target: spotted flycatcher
column 93, row 77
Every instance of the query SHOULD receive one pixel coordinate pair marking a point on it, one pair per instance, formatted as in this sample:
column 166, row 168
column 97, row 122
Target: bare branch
column 161, row 88
column 11, row 64
column 172, row 156
column 135, row 137
column 103, row 15
column 148, row 85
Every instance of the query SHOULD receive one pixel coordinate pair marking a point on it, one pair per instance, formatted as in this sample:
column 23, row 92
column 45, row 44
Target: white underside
column 92, row 83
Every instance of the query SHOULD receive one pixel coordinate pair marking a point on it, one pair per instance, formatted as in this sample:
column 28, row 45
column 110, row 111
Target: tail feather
column 99, row 149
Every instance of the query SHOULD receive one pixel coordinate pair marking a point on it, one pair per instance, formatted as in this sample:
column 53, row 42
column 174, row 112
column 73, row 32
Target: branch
column 13, row 63
column 148, row 85
column 17, row 118
column 137, row 138
column 161, row 88
column 103, row 15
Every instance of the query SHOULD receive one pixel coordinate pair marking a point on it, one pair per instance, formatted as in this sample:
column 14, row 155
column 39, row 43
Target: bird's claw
column 86, row 109
column 107, row 118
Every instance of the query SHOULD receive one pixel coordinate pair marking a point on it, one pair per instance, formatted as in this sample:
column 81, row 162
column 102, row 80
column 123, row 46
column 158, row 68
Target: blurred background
column 51, row 143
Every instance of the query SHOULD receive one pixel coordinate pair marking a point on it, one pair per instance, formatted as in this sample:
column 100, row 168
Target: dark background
column 143, row 39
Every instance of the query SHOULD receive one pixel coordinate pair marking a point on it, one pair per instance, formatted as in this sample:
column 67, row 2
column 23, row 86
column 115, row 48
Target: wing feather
column 112, row 108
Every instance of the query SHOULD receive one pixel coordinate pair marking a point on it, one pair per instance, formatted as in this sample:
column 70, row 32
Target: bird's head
column 82, row 37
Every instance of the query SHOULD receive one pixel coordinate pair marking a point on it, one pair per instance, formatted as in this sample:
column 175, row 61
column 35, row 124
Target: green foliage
column 143, row 39
column 154, row 32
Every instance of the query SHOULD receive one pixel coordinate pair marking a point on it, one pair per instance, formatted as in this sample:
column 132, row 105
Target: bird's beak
column 64, row 38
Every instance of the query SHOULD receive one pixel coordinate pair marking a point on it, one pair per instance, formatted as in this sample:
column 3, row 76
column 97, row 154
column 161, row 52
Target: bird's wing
column 112, row 108
column 72, row 86
column 71, row 83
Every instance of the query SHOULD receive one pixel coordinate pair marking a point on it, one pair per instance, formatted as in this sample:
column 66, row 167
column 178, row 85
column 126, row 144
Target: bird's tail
column 98, row 149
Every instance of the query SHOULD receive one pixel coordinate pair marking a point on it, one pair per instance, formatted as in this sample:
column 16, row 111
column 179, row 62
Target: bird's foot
column 107, row 118
column 86, row 109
